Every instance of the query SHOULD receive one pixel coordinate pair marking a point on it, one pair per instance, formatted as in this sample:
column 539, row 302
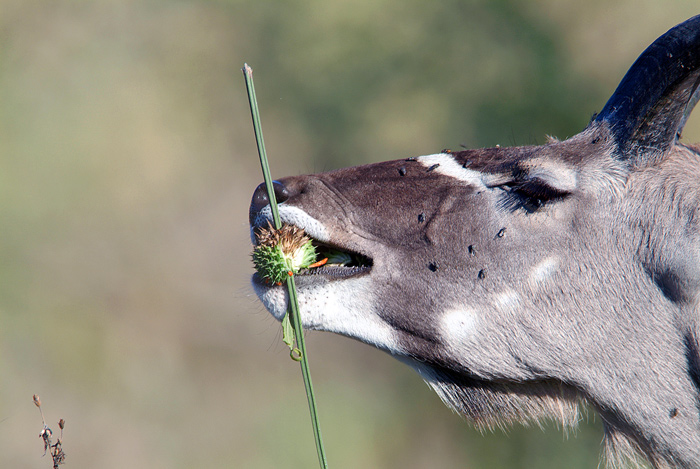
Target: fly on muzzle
column 523, row 282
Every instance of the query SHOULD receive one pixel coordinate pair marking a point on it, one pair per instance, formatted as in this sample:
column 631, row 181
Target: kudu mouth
column 333, row 261
column 338, row 262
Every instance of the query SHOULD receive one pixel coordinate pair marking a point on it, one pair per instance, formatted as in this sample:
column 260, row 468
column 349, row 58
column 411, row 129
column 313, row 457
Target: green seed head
column 279, row 252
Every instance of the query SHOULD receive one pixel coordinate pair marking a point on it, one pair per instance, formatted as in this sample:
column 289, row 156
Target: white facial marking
column 544, row 270
column 346, row 307
column 449, row 167
column 292, row 216
column 554, row 174
column 507, row 299
column 457, row 326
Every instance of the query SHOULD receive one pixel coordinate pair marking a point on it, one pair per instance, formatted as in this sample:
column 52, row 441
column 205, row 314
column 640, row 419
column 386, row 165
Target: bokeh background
column 127, row 161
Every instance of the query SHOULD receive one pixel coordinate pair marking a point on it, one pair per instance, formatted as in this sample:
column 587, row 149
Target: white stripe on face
column 544, row 270
column 457, row 326
column 507, row 300
column 449, row 167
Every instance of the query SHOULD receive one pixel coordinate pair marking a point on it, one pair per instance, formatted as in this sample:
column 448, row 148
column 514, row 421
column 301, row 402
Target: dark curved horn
column 653, row 101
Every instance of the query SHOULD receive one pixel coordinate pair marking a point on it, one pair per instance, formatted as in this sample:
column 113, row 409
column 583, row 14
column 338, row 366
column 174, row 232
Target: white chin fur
column 345, row 307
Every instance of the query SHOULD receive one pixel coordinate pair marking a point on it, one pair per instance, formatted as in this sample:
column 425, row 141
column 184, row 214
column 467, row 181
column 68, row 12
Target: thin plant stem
column 257, row 128
column 293, row 307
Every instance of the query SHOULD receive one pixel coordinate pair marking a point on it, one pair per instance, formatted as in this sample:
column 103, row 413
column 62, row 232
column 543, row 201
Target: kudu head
column 521, row 282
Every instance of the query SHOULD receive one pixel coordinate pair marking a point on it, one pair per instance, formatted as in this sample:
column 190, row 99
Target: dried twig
column 57, row 454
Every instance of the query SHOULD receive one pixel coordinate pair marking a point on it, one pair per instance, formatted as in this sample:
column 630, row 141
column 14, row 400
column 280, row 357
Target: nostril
column 261, row 200
column 281, row 192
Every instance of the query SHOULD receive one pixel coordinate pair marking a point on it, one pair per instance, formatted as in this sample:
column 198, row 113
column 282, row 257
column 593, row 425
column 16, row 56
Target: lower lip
column 321, row 273
column 335, row 272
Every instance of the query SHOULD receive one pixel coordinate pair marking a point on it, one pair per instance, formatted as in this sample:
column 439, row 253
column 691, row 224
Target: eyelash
column 529, row 195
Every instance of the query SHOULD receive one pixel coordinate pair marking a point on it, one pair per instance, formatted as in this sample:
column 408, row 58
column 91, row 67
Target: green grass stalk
column 298, row 354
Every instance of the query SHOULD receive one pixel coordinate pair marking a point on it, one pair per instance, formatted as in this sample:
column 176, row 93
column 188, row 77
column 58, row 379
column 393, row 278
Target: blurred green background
column 127, row 165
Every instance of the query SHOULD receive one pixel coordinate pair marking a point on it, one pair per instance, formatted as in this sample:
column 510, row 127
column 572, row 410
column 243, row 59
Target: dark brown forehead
column 499, row 160
column 493, row 160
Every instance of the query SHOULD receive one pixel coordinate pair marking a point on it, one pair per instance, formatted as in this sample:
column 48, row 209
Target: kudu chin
column 523, row 282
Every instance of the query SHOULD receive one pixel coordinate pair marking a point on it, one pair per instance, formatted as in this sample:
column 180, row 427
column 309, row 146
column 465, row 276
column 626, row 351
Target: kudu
column 522, row 282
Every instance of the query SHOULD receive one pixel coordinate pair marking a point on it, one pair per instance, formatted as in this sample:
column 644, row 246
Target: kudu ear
column 652, row 103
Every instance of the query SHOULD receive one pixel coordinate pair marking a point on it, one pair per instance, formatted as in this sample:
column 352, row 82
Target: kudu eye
column 533, row 194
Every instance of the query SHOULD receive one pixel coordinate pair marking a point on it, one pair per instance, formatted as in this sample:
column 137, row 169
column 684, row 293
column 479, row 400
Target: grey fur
column 532, row 279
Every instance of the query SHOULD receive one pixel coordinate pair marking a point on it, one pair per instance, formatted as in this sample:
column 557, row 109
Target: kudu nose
column 261, row 200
